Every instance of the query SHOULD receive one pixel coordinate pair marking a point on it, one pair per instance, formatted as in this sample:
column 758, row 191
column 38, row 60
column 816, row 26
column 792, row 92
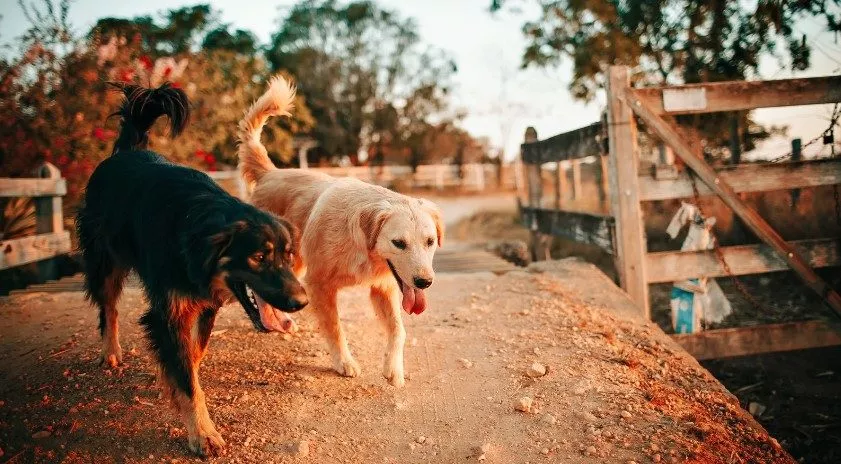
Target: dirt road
column 616, row 389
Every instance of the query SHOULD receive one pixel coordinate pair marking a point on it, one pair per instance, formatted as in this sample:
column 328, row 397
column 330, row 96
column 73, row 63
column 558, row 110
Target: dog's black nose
column 299, row 303
column 420, row 282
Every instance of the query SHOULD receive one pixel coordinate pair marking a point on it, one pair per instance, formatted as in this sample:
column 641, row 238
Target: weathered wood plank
column 673, row 266
column 32, row 187
column 743, row 341
column 748, row 178
column 749, row 217
column 623, row 160
column 18, row 251
column 580, row 227
column 578, row 143
column 577, row 188
column 740, row 95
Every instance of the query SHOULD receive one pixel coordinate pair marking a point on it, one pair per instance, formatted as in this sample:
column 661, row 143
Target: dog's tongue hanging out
column 414, row 301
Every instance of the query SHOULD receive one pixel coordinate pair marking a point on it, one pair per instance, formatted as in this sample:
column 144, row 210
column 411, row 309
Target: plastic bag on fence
column 700, row 299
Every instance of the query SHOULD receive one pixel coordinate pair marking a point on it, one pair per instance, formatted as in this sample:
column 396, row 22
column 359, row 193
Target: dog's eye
column 259, row 257
column 429, row 242
column 400, row 244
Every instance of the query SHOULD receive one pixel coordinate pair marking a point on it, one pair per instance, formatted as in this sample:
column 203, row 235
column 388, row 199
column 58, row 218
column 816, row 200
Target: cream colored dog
column 353, row 233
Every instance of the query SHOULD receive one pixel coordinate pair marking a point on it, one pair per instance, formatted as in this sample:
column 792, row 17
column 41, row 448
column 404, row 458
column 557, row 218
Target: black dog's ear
column 205, row 251
column 221, row 241
column 294, row 234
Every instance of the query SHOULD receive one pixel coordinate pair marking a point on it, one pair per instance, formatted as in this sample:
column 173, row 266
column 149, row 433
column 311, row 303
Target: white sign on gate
column 684, row 99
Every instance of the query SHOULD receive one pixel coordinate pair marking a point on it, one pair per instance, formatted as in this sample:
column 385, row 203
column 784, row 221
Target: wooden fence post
column 534, row 181
column 49, row 218
column 624, row 191
column 577, row 194
column 559, row 185
column 796, row 155
column 604, row 183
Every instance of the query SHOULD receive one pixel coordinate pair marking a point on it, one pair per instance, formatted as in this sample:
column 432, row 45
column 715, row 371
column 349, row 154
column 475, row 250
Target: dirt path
column 617, row 390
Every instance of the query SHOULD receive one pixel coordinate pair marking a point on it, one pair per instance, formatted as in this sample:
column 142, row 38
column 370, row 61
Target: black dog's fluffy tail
column 142, row 106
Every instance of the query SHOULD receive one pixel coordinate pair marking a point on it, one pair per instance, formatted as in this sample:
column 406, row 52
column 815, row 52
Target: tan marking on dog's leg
column 112, row 352
column 202, row 436
column 195, row 323
column 323, row 302
column 385, row 302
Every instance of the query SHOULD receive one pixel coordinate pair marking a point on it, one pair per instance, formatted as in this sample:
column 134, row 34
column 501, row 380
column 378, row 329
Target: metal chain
column 836, row 115
column 833, row 121
column 720, row 254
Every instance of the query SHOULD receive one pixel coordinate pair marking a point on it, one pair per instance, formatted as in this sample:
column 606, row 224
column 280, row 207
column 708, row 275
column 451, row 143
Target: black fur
column 181, row 233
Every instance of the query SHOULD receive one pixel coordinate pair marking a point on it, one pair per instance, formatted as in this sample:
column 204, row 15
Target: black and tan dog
column 194, row 247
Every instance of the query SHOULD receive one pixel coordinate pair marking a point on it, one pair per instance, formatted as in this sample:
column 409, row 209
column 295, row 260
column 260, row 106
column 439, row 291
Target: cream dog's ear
column 370, row 220
column 432, row 209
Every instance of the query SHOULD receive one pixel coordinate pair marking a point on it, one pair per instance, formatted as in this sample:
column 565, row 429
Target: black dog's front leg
column 179, row 335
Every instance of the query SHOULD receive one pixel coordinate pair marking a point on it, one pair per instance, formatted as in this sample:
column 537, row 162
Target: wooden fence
column 473, row 177
column 622, row 232
column 50, row 239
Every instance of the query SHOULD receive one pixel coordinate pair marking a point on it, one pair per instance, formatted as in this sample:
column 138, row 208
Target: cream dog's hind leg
column 385, row 297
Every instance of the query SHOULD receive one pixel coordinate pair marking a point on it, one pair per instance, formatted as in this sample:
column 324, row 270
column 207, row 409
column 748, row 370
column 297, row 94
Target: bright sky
column 501, row 99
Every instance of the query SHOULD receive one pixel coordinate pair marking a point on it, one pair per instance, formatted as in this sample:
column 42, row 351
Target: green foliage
column 178, row 31
column 55, row 103
column 672, row 41
column 368, row 79
column 240, row 41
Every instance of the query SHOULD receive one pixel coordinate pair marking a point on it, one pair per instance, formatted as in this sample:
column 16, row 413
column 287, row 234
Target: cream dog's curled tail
column 278, row 100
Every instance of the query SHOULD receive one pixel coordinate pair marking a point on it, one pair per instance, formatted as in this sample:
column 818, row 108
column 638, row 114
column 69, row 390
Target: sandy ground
column 616, row 389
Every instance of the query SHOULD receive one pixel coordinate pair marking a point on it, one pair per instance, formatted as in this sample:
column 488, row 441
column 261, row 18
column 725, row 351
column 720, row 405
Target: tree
column 180, row 32
column 55, row 103
column 366, row 76
column 240, row 41
column 673, row 41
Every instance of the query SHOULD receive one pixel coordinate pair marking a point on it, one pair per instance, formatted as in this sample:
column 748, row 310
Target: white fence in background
column 474, row 177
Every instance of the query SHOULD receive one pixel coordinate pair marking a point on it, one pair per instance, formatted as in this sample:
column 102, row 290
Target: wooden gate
column 628, row 187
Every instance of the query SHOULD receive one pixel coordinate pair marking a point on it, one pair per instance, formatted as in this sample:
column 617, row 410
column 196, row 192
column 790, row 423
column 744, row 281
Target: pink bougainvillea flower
column 146, row 62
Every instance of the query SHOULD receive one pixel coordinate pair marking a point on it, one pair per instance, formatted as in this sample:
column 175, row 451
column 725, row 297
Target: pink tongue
column 414, row 301
column 272, row 319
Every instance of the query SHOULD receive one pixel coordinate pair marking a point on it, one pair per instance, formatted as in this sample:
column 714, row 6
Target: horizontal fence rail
column 579, row 143
column 761, row 177
column 50, row 239
column 715, row 97
column 580, row 227
column 672, row 266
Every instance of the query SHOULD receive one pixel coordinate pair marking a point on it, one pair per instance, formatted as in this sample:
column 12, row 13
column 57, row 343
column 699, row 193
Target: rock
column 589, row 417
column 630, row 461
column 41, row 434
column 300, row 448
column 421, row 439
column 625, row 414
column 523, row 404
column 590, row 451
column 548, row 419
column 412, row 446
column 466, row 363
column 514, row 251
column 536, row 370
column 756, row 409
column 544, row 451
column 656, row 458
